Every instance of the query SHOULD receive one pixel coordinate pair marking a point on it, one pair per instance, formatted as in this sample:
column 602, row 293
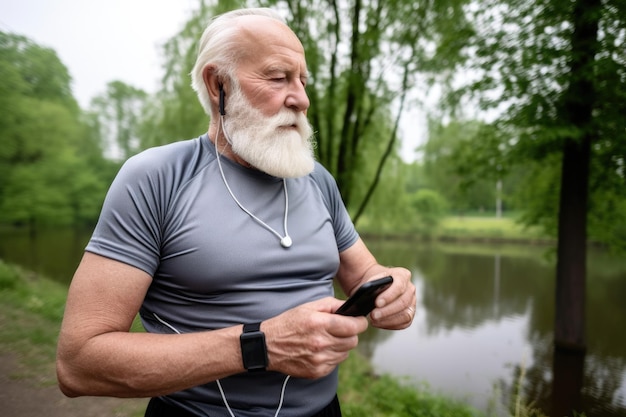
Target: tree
column 449, row 167
column 49, row 160
column 119, row 112
column 557, row 69
column 28, row 73
column 41, row 74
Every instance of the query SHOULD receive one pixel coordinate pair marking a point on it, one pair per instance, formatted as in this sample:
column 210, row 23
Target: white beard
column 262, row 142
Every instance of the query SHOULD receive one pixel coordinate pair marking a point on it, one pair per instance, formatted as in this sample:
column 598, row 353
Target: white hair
column 219, row 46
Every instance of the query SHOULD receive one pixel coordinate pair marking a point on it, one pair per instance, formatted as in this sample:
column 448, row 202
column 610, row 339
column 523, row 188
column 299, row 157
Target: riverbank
column 476, row 229
column 490, row 229
column 31, row 310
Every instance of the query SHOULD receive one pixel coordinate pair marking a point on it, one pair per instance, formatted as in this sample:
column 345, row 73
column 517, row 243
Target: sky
column 105, row 40
column 100, row 40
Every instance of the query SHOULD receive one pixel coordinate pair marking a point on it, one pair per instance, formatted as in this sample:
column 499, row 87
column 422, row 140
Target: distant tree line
column 52, row 169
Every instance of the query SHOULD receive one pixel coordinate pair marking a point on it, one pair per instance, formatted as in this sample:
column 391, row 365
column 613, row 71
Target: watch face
column 253, row 350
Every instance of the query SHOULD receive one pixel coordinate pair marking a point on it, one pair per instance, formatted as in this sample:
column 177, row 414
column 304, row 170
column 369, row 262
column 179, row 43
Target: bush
column 9, row 276
column 430, row 209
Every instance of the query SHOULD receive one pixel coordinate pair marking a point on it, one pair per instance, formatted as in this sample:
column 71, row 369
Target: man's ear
column 213, row 84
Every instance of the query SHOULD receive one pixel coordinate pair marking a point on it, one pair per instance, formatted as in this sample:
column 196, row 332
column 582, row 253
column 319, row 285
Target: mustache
column 288, row 118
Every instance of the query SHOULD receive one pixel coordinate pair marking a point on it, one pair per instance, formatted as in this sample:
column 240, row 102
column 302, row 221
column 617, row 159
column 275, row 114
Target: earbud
column 221, row 104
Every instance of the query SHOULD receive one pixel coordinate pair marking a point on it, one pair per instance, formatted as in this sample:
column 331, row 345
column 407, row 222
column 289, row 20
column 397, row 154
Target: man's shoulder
column 322, row 176
column 169, row 153
column 181, row 156
column 168, row 165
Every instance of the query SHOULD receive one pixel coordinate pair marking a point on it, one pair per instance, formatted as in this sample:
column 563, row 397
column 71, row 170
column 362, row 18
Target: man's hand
column 395, row 307
column 309, row 341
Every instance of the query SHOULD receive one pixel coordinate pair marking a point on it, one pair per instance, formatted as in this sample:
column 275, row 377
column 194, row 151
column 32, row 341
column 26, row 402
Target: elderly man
column 227, row 246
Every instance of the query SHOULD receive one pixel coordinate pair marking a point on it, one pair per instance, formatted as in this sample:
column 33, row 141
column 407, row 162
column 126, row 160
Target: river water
column 484, row 322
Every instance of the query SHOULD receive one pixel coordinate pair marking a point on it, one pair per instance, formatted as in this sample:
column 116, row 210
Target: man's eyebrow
column 284, row 70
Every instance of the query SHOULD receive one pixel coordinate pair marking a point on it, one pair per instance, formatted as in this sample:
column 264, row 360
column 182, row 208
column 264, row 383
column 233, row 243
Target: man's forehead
column 269, row 45
column 263, row 29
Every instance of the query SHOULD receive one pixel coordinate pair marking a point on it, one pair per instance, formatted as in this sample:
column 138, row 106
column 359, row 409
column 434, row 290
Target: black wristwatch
column 253, row 349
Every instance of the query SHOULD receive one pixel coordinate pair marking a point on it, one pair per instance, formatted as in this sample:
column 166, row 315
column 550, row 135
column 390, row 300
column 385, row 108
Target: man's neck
column 223, row 147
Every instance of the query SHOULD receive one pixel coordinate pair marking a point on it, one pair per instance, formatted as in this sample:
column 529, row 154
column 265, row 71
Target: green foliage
column 33, row 71
column 9, row 276
column 607, row 219
column 545, row 95
column 51, row 167
column 443, row 152
column 118, row 113
column 463, row 165
column 390, row 210
column 176, row 114
column 542, row 180
column 31, row 309
column 430, row 208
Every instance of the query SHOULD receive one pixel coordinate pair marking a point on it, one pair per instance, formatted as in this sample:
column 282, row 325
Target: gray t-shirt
column 169, row 213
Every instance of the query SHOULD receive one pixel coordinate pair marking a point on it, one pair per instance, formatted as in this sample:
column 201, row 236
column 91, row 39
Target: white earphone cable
column 219, row 386
column 285, row 241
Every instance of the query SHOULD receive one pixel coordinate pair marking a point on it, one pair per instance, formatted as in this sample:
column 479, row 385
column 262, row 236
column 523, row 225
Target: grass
column 473, row 227
column 485, row 228
column 31, row 310
column 363, row 393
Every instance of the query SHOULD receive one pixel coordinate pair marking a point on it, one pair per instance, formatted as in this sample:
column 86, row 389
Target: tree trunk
column 578, row 104
column 571, row 253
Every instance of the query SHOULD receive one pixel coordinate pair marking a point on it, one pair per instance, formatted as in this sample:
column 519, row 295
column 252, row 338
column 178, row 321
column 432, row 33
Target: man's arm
column 395, row 307
column 97, row 355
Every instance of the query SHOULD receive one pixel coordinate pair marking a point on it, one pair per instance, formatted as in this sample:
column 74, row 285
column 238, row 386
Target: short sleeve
column 345, row 232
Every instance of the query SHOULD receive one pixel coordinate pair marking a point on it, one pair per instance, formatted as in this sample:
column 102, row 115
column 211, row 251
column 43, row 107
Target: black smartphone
column 361, row 303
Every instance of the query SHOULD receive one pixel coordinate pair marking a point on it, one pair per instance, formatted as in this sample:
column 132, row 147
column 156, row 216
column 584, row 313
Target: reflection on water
column 54, row 253
column 463, row 363
column 567, row 384
column 485, row 317
column 485, row 324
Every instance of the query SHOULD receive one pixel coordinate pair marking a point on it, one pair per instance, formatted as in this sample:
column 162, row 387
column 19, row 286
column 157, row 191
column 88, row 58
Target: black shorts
column 159, row 408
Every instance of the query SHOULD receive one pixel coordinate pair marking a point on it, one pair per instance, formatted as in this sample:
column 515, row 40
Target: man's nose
column 297, row 99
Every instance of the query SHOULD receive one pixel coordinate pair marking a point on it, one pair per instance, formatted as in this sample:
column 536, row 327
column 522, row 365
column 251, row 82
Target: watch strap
column 252, row 327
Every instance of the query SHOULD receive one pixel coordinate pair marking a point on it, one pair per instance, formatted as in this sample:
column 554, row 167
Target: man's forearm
column 122, row 364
